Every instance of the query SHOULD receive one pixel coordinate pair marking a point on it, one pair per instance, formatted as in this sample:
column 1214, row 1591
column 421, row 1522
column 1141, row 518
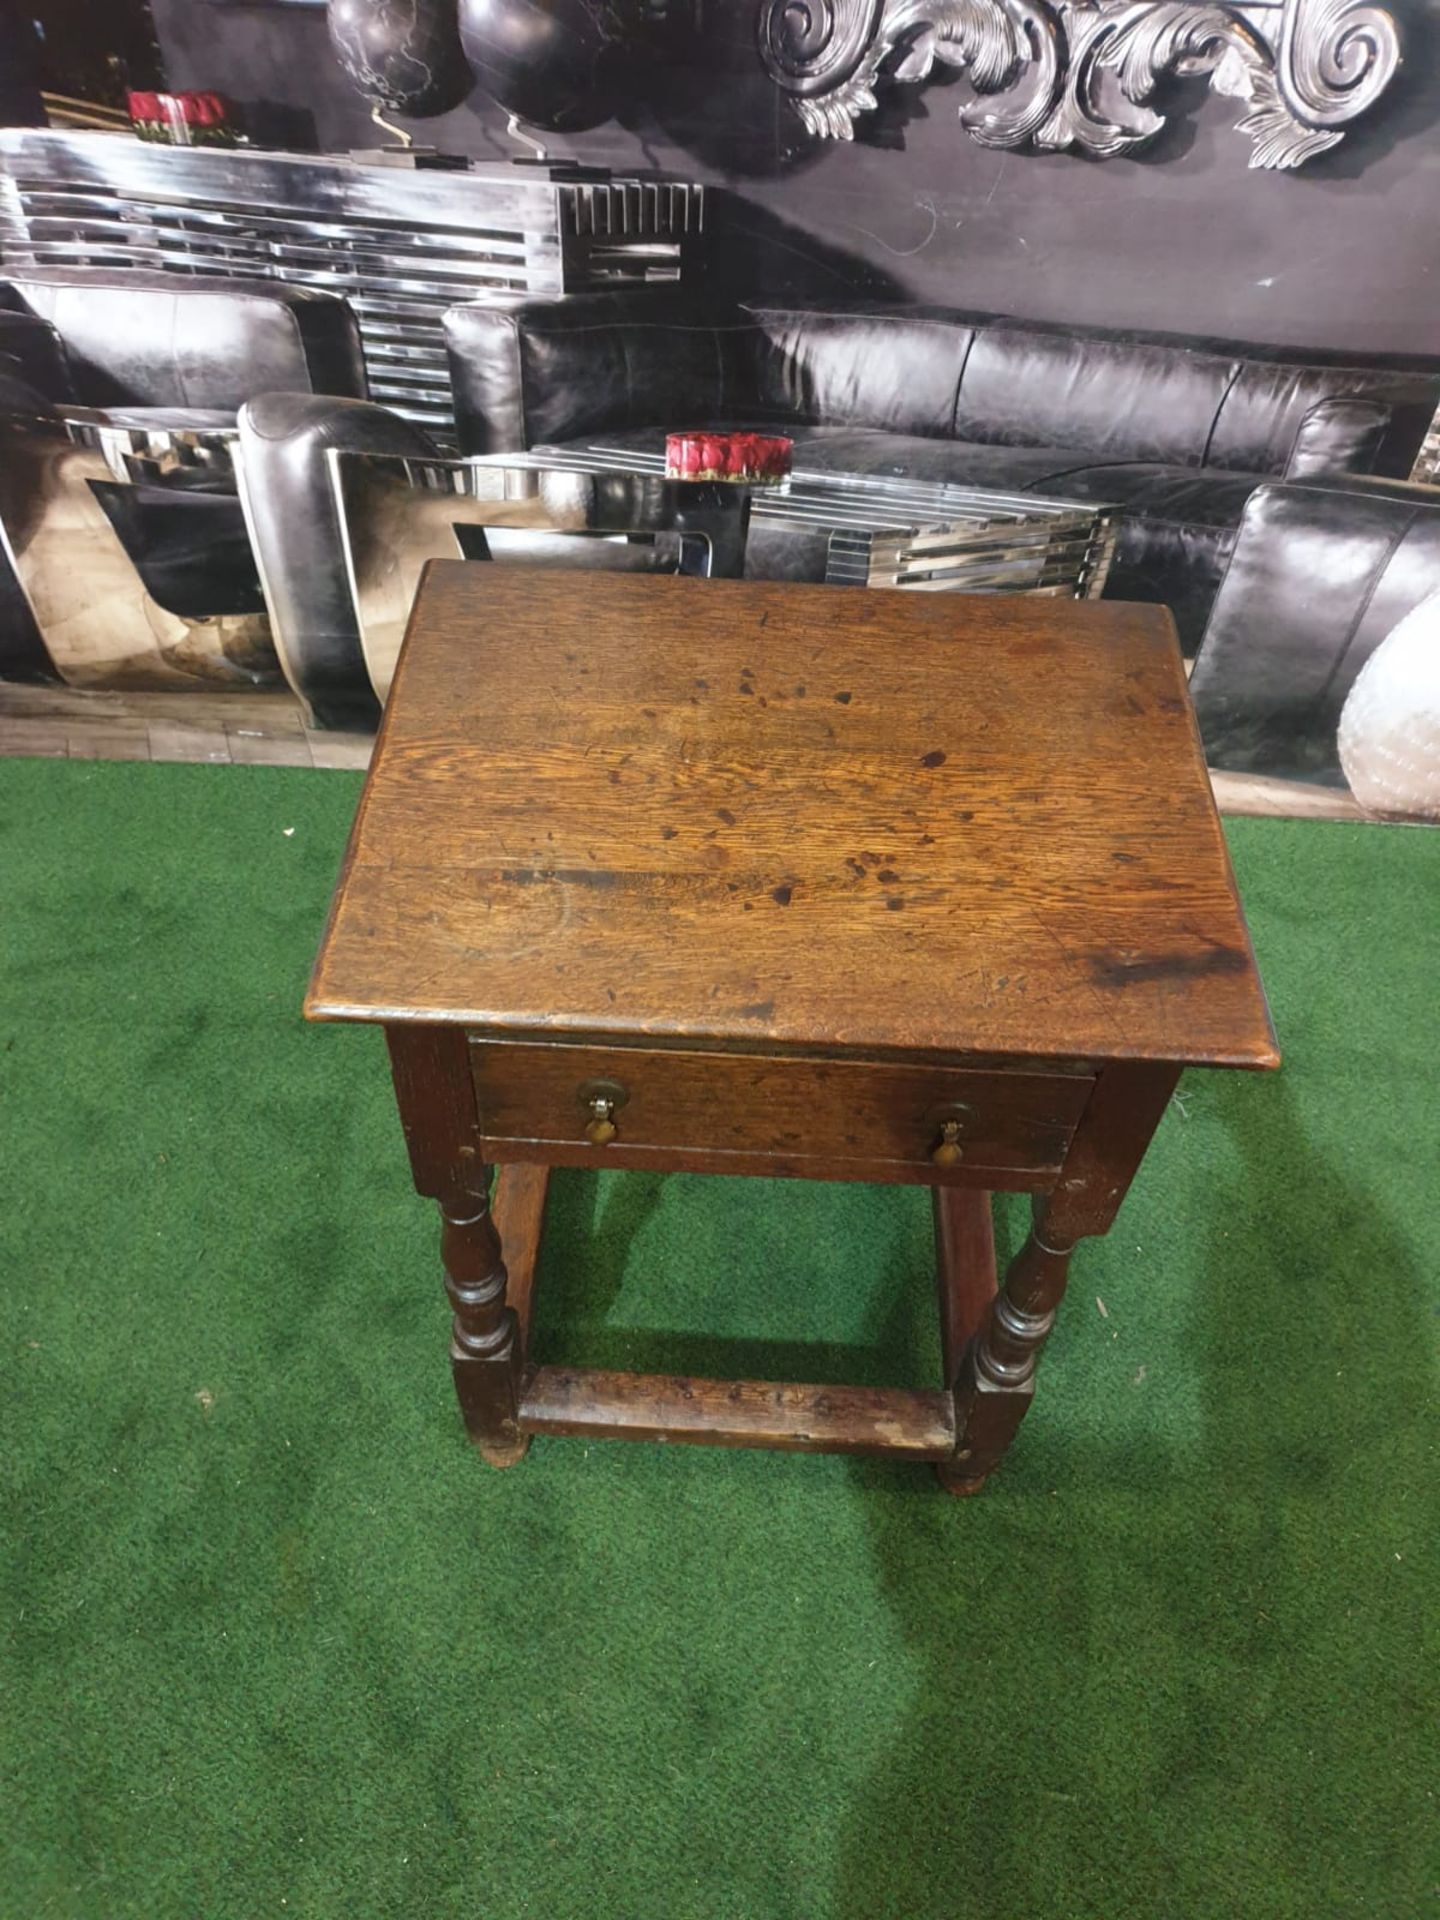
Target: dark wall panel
column 1343, row 253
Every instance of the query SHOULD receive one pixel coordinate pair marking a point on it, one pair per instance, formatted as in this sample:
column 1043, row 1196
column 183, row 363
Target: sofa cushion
column 1154, row 490
column 1174, row 535
column 897, row 370
column 1123, row 400
column 527, row 372
column 1264, row 409
column 1343, row 434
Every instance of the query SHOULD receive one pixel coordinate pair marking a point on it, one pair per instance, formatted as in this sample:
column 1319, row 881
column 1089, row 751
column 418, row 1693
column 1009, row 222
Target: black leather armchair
column 1320, row 575
column 128, row 339
column 152, row 350
column 1177, row 433
column 298, row 544
column 33, row 373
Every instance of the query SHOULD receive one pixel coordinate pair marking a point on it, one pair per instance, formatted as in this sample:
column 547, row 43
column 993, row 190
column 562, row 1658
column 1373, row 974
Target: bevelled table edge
column 487, row 1023
column 1155, row 622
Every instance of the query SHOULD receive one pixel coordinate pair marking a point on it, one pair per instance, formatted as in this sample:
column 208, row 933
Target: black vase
column 559, row 64
column 403, row 54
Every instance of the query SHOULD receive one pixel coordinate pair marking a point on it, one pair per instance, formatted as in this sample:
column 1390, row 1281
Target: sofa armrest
column 1343, row 434
column 33, row 370
column 299, row 548
column 1319, row 575
column 530, row 372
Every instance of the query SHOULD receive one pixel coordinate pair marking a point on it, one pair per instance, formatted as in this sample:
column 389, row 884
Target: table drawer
column 722, row 1113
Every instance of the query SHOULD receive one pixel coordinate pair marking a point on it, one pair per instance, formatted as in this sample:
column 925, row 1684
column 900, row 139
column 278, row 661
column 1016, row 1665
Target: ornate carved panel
column 1090, row 75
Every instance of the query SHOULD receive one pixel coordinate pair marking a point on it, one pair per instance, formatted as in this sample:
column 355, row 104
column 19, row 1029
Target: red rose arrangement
column 757, row 459
column 183, row 119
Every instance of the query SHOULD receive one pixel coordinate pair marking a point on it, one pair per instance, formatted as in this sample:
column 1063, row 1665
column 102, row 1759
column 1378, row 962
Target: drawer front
column 829, row 1120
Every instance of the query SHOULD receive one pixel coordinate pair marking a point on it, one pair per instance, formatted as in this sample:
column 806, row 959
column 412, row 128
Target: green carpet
column 275, row 1642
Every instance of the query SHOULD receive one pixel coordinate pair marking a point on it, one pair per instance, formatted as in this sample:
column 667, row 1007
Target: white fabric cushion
column 1390, row 723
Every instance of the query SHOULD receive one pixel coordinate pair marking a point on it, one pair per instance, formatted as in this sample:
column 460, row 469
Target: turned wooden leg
column 997, row 1375
column 485, row 1351
column 964, row 1268
column 435, row 1091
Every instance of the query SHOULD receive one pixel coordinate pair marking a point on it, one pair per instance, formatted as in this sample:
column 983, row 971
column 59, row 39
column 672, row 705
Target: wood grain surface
column 518, row 1207
column 728, row 1113
column 965, row 1270
column 738, row 1413
column 747, row 814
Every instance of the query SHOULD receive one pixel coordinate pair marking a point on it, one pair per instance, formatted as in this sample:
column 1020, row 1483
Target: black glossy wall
column 1343, row 253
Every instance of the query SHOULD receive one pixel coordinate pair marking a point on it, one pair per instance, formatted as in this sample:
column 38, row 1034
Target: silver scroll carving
column 1084, row 74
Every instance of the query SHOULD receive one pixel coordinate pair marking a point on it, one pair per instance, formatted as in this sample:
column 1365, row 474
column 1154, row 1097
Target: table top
column 572, row 494
column 762, row 817
column 821, row 496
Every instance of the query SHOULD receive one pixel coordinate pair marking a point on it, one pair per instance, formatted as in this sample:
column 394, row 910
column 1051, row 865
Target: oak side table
column 771, row 879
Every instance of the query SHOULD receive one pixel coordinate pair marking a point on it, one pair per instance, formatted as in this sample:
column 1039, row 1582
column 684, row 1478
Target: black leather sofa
column 1320, row 576
column 154, row 350
column 1177, row 433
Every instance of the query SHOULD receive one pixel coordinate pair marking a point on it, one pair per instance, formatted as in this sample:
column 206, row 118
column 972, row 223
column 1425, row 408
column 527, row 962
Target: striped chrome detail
column 886, row 531
column 400, row 244
column 1426, row 470
column 1047, row 556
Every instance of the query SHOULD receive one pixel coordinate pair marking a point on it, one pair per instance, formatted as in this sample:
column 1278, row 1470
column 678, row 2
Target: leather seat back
column 1120, row 399
column 896, row 369
column 1116, row 396
column 1268, row 399
column 526, row 373
column 159, row 340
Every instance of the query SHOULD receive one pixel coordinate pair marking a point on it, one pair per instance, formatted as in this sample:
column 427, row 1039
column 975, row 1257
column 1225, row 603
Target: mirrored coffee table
column 879, row 530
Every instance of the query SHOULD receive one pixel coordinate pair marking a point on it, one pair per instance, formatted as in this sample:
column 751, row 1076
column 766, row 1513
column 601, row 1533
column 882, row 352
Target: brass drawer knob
column 602, row 1100
column 947, row 1151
